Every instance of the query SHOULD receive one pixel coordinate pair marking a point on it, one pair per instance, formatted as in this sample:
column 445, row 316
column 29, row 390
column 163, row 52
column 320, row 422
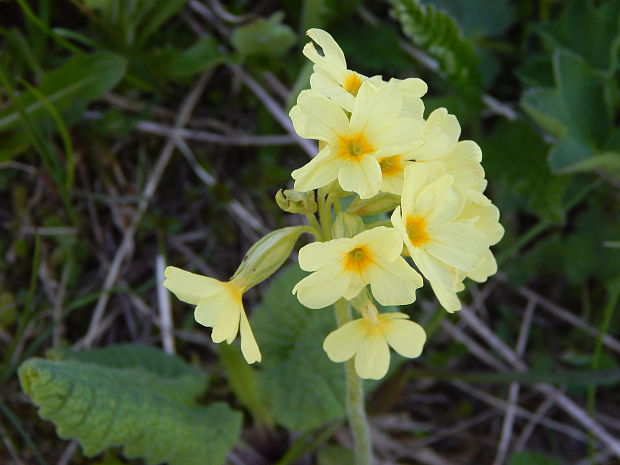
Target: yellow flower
column 352, row 146
column 367, row 340
column 218, row 305
column 485, row 217
column 343, row 267
column 439, row 243
column 331, row 76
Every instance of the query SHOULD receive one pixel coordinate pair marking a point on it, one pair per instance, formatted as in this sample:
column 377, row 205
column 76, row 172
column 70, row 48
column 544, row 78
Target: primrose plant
column 376, row 154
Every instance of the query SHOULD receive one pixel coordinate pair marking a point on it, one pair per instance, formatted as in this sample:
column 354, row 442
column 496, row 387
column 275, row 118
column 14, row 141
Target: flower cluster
column 377, row 150
column 373, row 140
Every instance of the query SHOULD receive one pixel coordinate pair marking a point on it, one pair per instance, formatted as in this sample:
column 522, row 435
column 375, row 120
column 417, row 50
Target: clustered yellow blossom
column 375, row 139
column 376, row 147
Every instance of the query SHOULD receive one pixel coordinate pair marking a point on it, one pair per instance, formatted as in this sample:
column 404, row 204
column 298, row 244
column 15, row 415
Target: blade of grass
column 8, row 413
column 63, row 132
column 26, row 315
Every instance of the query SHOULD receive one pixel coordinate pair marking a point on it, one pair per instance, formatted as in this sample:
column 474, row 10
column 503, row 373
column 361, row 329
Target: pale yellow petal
column 405, row 337
column 434, row 196
column 317, row 254
column 394, row 182
column 459, row 244
column 318, row 172
column 332, row 53
column 249, row 347
column 384, row 244
column 323, row 287
column 394, row 283
column 362, row 177
column 357, row 282
column 372, row 359
column 317, row 117
column 487, row 268
column 375, row 109
column 441, row 277
column 342, row 343
column 190, row 287
column 415, row 179
column 448, row 205
column 322, row 84
column 227, row 325
column 208, row 309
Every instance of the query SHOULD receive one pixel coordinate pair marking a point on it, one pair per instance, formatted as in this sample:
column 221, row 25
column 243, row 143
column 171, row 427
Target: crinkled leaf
column 264, row 36
column 545, row 107
column 134, row 356
column 568, row 153
column 304, row 387
column 148, row 415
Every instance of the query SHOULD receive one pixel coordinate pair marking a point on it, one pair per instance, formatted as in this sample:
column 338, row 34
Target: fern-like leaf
column 149, row 415
column 439, row 34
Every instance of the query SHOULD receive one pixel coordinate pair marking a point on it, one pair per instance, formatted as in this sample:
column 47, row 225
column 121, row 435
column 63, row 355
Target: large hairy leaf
column 151, row 416
column 305, row 389
column 439, row 34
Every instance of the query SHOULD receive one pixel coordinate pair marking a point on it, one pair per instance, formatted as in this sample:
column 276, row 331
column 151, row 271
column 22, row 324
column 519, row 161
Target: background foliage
column 135, row 133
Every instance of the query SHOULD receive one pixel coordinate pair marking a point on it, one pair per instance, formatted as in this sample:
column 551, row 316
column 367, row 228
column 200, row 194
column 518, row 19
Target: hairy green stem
column 356, row 411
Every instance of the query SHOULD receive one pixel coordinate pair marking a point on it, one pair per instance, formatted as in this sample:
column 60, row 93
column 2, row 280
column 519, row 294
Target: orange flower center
column 357, row 259
column 352, row 84
column 416, row 230
column 354, row 146
column 391, row 166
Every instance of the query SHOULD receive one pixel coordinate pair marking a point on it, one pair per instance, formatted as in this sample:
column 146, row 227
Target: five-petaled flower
column 343, row 267
column 218, row 305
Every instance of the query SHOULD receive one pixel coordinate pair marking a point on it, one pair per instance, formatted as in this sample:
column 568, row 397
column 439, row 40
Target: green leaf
column 478, row 18
column 439, row 34
column 321, row 13
column 515, row 156
column 304, row 387
column 69, row 88
column 544, row 107
column 266, row 37
column 172, row 64
column 568, row 153
column 134, row 356
column 586, row 30
column 150, row 416
column 582, row 93
column 335, row 455
column 527, row 457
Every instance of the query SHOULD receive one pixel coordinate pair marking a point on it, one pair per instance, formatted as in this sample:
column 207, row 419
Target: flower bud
column 292, row 201
column 334, row 190
column 346, row 225
column 267, row 255
column 376, row 205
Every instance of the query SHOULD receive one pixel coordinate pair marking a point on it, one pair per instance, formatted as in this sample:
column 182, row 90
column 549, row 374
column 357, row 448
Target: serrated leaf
column 264, row 36
column 69, row 88
column 439, row 34
column 148, row 415
column 304, row 387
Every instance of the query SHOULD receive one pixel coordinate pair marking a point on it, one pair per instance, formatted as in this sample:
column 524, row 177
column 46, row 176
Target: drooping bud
column 380, row 203
column 267, row 255
column 292, row 201
column 346, row 225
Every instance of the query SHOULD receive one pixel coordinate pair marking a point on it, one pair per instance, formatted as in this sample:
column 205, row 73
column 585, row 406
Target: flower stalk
column 356, row 411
